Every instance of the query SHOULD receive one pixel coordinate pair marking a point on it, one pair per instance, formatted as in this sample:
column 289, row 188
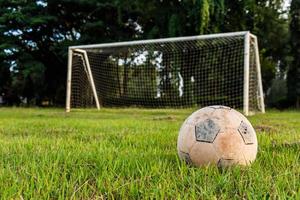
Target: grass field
column 131, row 154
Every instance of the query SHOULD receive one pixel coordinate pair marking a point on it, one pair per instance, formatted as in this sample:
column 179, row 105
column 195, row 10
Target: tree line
column 35, row 35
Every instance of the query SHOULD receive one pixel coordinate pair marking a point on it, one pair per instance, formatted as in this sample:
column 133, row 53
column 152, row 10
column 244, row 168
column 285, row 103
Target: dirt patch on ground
column 165, row 118
column 291, row 144
column 286, row 144
column 265, row 128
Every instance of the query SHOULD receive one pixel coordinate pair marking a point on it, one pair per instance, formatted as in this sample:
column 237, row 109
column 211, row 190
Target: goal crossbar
column 163, row 40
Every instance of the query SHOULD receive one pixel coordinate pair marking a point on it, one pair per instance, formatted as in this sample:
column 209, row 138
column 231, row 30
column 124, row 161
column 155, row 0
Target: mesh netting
column 254, row 104
column 81, row 91
column 169, row 74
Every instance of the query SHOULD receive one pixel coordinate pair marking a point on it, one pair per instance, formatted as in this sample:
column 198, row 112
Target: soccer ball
column 217, row 135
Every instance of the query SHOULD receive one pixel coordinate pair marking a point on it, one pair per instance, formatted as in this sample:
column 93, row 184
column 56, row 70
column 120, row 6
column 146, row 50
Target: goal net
column 221, row 69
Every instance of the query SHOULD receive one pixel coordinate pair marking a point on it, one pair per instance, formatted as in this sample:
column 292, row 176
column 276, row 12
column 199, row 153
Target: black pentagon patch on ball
column 226, row 162
column 206, row 131
column 186, row 157
column 245, row 133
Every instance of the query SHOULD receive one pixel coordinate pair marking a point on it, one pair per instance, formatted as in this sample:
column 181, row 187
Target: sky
column 286, row 4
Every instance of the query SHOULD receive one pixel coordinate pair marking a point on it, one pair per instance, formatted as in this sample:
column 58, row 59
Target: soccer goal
column 173, row 72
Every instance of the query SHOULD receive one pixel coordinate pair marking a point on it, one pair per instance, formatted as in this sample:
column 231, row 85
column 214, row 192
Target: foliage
column 267, row 21
column 277, row 93
column 40, row 31
column 294, row 68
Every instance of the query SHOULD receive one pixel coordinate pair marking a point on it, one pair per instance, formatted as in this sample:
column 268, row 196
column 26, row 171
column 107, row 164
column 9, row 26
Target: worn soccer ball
column 217, row 135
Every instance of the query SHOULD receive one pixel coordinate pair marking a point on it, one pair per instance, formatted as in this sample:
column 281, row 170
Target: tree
column 29, row 35
column 267, row 20
column 294, row 68
column 35, row 34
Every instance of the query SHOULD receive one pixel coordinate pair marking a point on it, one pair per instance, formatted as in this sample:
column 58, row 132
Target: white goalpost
column 172, row 72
